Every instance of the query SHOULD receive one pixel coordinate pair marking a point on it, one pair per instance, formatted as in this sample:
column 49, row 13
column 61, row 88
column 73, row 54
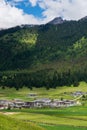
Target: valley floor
column 51, row 119
column 48, row 119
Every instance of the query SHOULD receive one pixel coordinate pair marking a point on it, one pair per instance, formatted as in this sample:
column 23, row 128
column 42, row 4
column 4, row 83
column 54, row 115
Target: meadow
column 58, row 93
column 7, row 123
column 71, row 118
column 63, row 128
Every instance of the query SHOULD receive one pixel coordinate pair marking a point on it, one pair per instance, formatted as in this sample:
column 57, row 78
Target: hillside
column 45, row 53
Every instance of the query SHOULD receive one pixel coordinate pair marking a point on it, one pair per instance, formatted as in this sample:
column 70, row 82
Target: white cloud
column 12, row 16
column 68, row 9
column 17, row 0
column 33, row 2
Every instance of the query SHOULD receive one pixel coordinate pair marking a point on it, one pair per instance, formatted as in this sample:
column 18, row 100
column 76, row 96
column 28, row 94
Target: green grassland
column 63, row 128
column 11, row 124
column 71, row 118
column 59, row 92
column 55, row 119
column 7, row 123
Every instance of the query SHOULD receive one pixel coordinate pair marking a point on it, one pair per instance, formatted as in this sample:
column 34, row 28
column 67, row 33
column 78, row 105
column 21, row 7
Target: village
column 41, row 102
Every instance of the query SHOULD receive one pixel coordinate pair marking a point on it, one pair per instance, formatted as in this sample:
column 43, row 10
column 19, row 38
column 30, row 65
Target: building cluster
column 39, row 103
column 78, row 93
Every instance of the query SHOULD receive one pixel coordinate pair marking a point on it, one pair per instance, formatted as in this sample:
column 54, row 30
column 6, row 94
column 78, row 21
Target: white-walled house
column 44, row 102
column 4, row 104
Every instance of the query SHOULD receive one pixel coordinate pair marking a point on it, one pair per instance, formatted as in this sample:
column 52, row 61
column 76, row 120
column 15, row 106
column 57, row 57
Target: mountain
column 83, row 19
column 57, row 20
column 45, row 55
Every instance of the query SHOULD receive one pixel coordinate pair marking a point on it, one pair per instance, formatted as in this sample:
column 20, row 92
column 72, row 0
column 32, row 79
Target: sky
column 18, row 12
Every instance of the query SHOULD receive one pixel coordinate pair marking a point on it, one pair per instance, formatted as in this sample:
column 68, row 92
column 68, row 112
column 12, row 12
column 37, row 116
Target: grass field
column 63, row 128
column 11, row 93
column 74, row 118
column 71, row 118
column 7, row 123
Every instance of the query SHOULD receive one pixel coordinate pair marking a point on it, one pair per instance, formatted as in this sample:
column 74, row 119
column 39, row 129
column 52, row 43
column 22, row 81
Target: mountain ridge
column 54, row 21
column 57, row 20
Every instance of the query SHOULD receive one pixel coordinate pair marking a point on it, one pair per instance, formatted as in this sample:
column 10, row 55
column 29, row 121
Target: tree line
column 46, row 78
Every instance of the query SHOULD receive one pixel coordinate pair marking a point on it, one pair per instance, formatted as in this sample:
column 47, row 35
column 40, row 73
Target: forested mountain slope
column 47, row 51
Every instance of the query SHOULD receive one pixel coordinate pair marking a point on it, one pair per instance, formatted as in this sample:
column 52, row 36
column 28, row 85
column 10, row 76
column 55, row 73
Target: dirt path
column 9, row 113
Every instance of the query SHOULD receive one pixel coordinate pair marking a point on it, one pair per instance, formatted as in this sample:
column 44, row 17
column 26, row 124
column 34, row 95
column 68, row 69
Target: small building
column 4, row 104
column 17, row 103
column 43, row 102
column 62, row 103
column 69, row 103
column 28, row 104
column 78, row 93
column 32, row 95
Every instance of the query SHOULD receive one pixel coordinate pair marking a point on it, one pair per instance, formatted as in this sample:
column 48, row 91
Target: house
column 69, row 103
column 4, row 104
column 32, row 95
column 28, row 104
column 56, row 103
column 44, row 102
column 78, row 93
column 17, row 103
column 62, row 103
